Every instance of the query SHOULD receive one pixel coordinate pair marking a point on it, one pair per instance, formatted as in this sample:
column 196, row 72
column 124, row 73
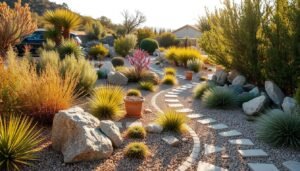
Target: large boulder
column 76, row 136
column 110, row 129
column 117, row 78
column 274, row 92
column 107, row 67
column 238, row 89
column 255, row 105
column 289, row 105
column 254, row 91
column 239, row 80
column 220, row 77
column 232, row 74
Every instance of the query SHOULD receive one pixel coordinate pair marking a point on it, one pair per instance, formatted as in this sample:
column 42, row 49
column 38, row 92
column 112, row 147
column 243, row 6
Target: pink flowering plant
column 140, row 60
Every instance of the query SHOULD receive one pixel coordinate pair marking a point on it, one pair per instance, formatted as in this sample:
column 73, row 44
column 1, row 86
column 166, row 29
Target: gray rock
column 238, row 89
column 289, row 105
column 76, row 136
column 171, row 140
column 117, row 78
column 232, row 75
column 111, row 130
column 239, row 80
column 154, row 128
column 248, row 87
column 255, row 91
column 274, row 92
column 254, row 106
column 112, row 52
column 107, row 67
column 292, row 165
column 220, row 77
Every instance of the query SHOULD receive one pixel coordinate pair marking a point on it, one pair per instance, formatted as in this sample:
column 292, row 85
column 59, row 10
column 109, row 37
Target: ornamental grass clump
column 69, row 47
column 137, row 150
column 136, row 132
column 219, row 98
column 107, row 102
column 194, row 65
column 172, row 121
column 134, row 92
column 280, row 129
column 182, row 55
column 169, row 80
column 149, row 86
column 201, row 88
column 19, row 140
column 170, row 71
column 98, row 51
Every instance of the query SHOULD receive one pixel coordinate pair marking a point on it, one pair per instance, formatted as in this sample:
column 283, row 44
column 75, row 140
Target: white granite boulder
column 254, row 91
column 117, row 78
column 255, row 105
column 289, row 105
column 239, row 80
column 107, row 67
column 154, row 128
column 76, row 136
column 274, row 92
column 110, row 129
column 220, row 77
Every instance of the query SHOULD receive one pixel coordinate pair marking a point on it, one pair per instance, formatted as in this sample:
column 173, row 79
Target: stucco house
column 187, row 31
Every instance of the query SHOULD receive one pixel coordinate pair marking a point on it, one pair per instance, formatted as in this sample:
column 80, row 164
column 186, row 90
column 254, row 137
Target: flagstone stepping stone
column 136, row 123
column 206, row 121
column 292, row 165
column 180, row 88
column 262, row 167
column 171, row 140
column 194, row 83
column 184, row 110
column 172, row 100
column 174, row 93
column 176, row 90
column 253, row 153
column 194, row 116
column 208, row 149
column 171, row 95
column 175, row 105
column 218, row 126
column 203, row 166
column 241, row 142
column 230, row 133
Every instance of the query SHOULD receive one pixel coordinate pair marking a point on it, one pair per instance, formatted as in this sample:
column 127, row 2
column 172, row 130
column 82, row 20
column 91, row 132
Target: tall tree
column 132, row 21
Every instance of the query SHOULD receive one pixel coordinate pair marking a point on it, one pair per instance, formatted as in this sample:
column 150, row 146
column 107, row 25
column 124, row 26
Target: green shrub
column 280, row 129
column 137, row 150
column 117, row 61
column 170, row 71
column 106, row 102
column 125, row 44
column 167, row 40
column 149, row 86
column 201, row 88
column 143, row 34
column 219, row 97
column 98, row 51
column 136, row 132
column 194, row 65
column 149, row 45
column 148, row 76
column 134, row 92
column 169, row 80
column 172, row 121
column 19, row 140
column 69, row 47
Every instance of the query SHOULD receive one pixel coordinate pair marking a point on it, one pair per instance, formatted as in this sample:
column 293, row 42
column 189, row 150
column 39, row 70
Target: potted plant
column 134, row 103
column 188, row 75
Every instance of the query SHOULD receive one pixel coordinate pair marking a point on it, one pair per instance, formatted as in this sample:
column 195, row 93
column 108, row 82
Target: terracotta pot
column 189, row 75
column 134, row 106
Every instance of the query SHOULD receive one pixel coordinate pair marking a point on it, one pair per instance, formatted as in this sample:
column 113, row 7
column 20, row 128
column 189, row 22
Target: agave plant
column 19, row 140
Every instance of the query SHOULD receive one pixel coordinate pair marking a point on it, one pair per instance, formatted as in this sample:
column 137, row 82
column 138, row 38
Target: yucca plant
column 199, row 90
column 107, row 102
column 171, row 120
column 170, row 71
column 280, row 129
column 149, row 86
column 69, row 47
column 137, row 150
column 134, row 92
column 169, row 80
column 136, row 132
column 219, row 97
column 194, row 65
column 19, row 140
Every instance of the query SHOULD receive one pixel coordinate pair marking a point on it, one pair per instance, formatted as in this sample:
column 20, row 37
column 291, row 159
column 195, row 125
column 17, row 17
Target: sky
column 170, row 14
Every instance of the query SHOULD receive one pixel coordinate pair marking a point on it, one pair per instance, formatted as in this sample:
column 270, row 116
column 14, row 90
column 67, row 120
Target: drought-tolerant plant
column 220, row 98
column 149, row 45
column 48, row 58
column 149, row 76
column 140, row 60
column 143, row 34
column 167, row 40
column 117, row 61
column 171, row 120
column 69, row 47
column 182, row 55
column 134, row 92
column 169, row 80
column 19, row 140
column 131, row 74
column 201, row 88
column 137, row 150
column 280, row 129
column 98, row 51
column 194, row 65
column 149, row 86
column 15, row 23
column 106, row 102
column 136, row 132
column 124, row 45
column 170, row 71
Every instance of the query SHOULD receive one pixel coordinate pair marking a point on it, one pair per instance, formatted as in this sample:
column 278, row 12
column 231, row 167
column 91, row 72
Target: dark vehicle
column 36, row 40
